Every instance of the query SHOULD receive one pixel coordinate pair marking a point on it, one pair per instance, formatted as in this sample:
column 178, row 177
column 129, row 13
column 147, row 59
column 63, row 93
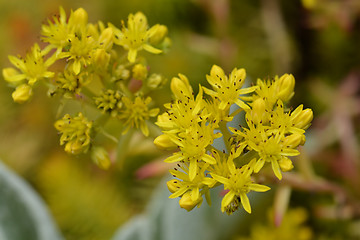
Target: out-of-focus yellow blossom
column 135, row 36
column 75, row 133
column 136, row 113
column 292, row 227
column 22, row 93
column 32, row 68
column 140, row 72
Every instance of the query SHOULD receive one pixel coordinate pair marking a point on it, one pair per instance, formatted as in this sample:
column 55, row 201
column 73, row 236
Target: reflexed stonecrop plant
column 270, row 134
column 78, row 54
column 87, row 54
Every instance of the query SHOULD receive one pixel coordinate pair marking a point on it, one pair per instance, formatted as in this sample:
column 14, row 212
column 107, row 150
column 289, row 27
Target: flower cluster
column 271, row 134
column 95, row 64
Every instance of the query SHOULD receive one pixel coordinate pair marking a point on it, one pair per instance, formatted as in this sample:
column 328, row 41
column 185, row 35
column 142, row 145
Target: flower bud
column 80, row 17
column 303, row 119
column 286, row 85
column 181, row 87
column 100, row 157
column 75, row 147
column 106, row 38
column 140, row 72
column 121, row 73
column 294, row 140
column 155, row 81
column 22, row 93
column 285, row 164
column 163, row 142
column 101, row 59
column 173, row 185
column 160, row 33
column 258, row 111
column 187, row 203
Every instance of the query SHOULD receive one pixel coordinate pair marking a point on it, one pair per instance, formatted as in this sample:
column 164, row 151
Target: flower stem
column 226, row 135
column 122, row 147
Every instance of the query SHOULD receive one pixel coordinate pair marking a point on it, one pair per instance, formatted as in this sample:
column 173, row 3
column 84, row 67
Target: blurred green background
column 318, row 41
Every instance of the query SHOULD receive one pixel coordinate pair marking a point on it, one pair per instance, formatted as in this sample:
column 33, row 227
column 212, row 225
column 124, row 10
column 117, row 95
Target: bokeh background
column 318, row 41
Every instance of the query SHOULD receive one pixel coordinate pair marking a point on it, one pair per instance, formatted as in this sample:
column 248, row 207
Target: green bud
column 100, row 157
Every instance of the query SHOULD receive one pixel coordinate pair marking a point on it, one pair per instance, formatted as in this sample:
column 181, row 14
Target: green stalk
column 226, row 135
column 245, row 158
column 122, row 147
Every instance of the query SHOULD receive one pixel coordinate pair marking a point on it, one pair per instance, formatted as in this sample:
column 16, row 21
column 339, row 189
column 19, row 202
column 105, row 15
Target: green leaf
column 23, row 215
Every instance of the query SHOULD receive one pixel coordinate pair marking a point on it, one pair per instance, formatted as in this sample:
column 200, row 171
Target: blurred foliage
column 315, row 40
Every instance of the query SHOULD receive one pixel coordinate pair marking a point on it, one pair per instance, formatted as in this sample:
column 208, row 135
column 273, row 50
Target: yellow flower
column 193, row 144
column 32, row 68
column 75, row 132
column 191, row 191
column 135, row 113
column 185, row 111
column 238, row 183
column 227, row 89
column 59, row 32
column 136, row 36
column 80, row 52
column 269, row 148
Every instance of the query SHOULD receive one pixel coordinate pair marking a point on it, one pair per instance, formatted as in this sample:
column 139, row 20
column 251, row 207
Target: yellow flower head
column 80, row 52
column 227, row 89
column 238, row 183
column 32, row 68
column 135, row 36
column 186, row 111
column 135, row 113
column 191, row 189
column 75, row 132
column 193, row 145
column 59, row 32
